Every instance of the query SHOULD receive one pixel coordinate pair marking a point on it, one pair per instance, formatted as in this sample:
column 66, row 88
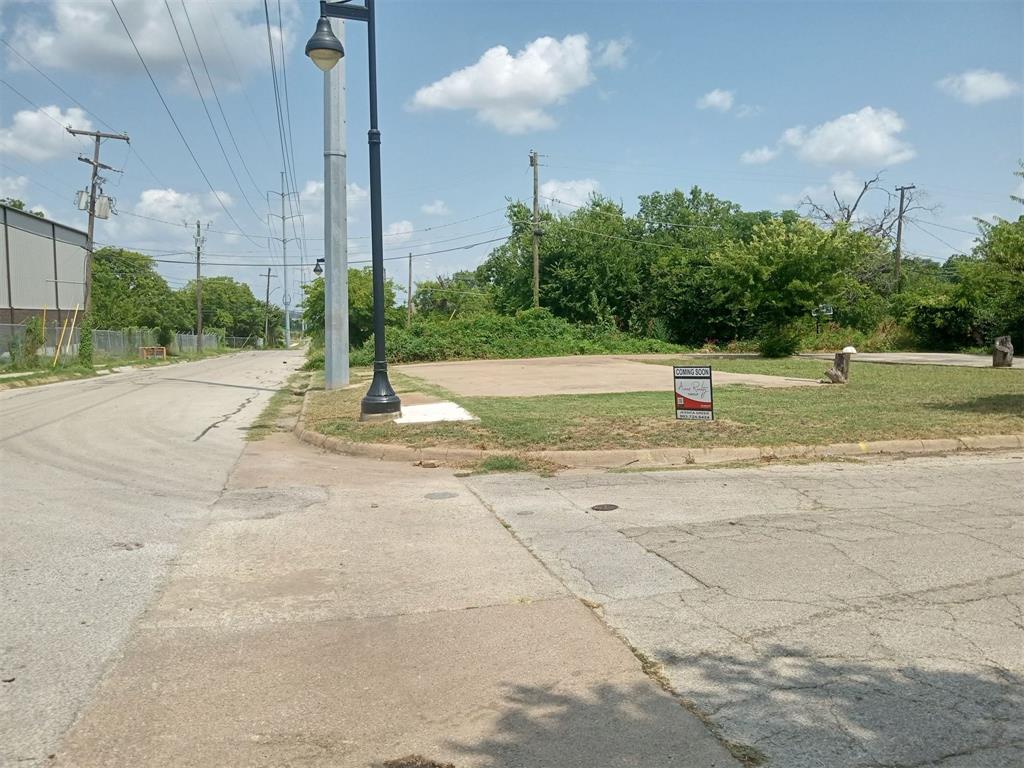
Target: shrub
column 779, row 341
column 164, row 337
column 529, row 333
column 85, row 343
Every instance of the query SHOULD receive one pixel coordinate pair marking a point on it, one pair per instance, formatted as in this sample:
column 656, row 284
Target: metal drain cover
column 604, row 507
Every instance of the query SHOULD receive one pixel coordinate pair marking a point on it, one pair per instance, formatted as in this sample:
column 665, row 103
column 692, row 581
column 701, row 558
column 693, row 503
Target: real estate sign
column 694, row 393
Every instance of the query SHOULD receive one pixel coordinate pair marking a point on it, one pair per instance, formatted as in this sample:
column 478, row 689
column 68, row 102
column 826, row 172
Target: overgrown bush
column 529, row 333
column 85, row 342
column 164, row 337
column 779, row 341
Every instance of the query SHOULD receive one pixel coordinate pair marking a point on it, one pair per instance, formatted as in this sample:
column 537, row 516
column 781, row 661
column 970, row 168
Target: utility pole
column 286, row 299
column 535, row 164
column 266, row 312
column 336, row 330
column 408, row 294
column 899, row 236
column 94, row 188
column 200, row 240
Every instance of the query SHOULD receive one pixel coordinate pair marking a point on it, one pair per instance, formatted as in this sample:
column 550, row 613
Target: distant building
column 42, row 266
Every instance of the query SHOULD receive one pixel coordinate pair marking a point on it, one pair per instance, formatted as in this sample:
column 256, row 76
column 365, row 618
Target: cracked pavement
column 854, row 614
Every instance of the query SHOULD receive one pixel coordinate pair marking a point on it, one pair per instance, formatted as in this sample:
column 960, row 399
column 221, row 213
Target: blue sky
column 761, row 103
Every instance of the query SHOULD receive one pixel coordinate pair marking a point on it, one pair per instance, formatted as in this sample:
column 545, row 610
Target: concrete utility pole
column 336, row 370
column 200, row 240
column 408, row 295
column 287, row 298
column 899, row 236
column 535, row 164
column 94, row 185
column 266, row 313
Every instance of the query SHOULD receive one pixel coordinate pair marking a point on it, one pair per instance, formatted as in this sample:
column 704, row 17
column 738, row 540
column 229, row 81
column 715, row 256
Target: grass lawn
column 881, row 402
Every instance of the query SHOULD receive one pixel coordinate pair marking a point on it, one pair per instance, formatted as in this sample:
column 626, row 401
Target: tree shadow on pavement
column 807, row 712
column 611, row 725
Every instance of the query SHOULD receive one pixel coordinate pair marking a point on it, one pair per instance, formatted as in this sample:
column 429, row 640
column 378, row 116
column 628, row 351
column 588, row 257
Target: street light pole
column 336, row 338
column 324, row 48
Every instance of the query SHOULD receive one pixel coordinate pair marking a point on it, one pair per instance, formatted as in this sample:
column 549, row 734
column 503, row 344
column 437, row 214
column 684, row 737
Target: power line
column 264, row 264
column 39, row 109
column 315, row 239
column 206, row 109
column 170, row 114
column 943, row 226
column 291, row 140
column 952, row 247
column 216, row 97
column 80, row 105
column 238, row 77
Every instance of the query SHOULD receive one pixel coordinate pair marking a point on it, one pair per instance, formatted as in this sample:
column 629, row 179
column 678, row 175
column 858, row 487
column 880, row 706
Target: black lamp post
column 326, row 50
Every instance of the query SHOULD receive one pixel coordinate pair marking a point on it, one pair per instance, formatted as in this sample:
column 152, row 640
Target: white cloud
column 572, row 192
column 717, row 99
column 511, row 92
column 398, row 232
column 233, row 37
column 867, row 137
column 38, row 134
column 612, row 53
column 13, row 186
column 759, row 156
column 977, row 86
column 436, row 208
column 171, row 205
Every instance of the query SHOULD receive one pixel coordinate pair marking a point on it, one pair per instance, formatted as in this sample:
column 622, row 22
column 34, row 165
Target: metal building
column 42, row 266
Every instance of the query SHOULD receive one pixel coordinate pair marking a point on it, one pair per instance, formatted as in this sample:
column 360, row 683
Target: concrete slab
column 584, row 374
column 429, row 413
column 344, row 612
column 510, row 685
column 845, row 615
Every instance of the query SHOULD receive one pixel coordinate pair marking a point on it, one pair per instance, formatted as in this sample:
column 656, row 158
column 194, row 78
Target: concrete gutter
column 656, row 457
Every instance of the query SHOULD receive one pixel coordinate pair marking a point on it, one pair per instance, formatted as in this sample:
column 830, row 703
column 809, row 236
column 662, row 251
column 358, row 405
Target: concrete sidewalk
column 339, row 612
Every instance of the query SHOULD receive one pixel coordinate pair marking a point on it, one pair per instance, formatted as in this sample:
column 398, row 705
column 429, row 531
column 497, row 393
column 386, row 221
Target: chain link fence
column 109, row 344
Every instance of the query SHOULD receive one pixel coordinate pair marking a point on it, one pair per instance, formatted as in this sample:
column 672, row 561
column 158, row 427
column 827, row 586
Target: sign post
column 694, row 393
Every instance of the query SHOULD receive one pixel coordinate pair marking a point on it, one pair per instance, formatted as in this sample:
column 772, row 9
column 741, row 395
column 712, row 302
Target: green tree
column 360, row 305
column 19, row 205
column 128, row 292
column 462, row 294
column 229, row 306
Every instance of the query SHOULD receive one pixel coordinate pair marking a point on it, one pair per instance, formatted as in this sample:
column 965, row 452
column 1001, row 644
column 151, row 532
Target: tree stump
column 839, row 373
column 1002, row 353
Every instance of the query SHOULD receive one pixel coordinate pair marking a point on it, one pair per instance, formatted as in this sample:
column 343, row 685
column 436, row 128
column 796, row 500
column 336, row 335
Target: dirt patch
column 580, row 375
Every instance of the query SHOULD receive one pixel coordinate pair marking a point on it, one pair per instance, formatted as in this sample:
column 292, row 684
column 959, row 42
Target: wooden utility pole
column 94, row 186
column 408, row 295
column 535, row 164
column 899, row 236
column 199, row 286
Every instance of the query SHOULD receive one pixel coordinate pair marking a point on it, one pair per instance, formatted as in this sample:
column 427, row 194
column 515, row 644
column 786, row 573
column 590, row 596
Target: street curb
column 656, row 457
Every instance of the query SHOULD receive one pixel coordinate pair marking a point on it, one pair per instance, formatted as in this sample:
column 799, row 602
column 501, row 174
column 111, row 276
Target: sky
column 761, row 103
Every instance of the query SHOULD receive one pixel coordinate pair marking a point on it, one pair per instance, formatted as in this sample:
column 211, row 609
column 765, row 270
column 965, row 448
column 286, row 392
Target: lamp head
column 319, row 268
column 324, row 48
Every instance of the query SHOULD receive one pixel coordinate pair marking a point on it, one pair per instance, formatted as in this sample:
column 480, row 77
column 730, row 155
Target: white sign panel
column 694, row 393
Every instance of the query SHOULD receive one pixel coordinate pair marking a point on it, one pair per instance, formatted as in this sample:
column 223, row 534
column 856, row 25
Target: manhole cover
column 441, row 495
column 604, row 507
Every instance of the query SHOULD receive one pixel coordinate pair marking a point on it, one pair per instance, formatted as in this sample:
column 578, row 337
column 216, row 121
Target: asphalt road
column 839, row 615
column 101, row 481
